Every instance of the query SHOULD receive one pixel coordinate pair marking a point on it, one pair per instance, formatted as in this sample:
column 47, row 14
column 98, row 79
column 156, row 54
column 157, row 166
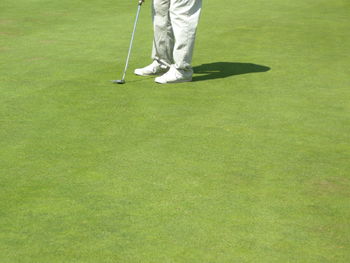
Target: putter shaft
column 132, row 39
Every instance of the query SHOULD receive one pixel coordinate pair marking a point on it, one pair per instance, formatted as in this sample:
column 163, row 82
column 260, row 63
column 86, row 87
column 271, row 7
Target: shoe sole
column 151, row 74
column 174, row 82
column 145, row 75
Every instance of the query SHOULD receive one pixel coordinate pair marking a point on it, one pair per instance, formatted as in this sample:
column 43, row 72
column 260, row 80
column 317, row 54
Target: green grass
column 248, row 163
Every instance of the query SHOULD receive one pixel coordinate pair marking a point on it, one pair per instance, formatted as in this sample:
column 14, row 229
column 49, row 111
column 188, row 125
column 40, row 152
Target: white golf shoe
column 175, row 75
column 153, row 69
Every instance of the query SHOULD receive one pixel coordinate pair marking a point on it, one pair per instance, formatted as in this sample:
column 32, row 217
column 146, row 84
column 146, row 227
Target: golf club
column 122, row 81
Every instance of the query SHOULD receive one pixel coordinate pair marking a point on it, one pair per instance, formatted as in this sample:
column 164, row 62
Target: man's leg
column 184, row 17
column 163, row 43
column 163, row 40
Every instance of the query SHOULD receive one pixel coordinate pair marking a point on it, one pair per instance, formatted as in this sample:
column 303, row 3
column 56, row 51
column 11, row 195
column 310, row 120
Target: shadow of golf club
column 218, row 70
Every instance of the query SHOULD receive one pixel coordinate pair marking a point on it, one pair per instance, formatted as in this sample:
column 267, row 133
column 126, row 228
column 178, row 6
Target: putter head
column 119, row 81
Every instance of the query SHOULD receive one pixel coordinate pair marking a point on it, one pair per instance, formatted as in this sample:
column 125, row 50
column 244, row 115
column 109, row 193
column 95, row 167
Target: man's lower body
column 174, row 24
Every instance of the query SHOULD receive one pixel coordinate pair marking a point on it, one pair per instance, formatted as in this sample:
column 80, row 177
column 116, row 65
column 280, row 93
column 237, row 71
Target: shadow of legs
column 218, row 70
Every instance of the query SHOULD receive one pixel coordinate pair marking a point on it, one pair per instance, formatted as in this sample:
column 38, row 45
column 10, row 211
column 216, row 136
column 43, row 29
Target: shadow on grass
column 218, row 70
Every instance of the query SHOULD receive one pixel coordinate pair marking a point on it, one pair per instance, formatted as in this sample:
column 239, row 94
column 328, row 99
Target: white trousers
column 174, row 25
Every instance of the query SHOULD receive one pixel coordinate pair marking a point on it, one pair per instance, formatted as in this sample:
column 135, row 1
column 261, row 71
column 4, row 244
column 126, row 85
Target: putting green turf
column 248, row 163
